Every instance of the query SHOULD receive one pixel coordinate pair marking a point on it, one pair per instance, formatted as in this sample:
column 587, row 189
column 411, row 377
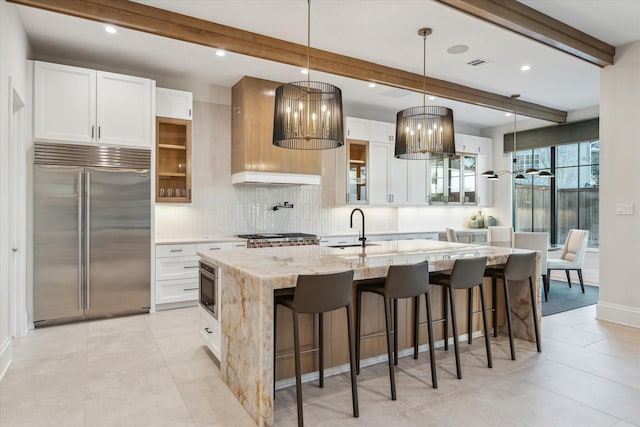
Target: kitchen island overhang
column 249, row 277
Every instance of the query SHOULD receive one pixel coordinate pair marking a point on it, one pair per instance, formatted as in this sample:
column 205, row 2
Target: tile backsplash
column 222, row 209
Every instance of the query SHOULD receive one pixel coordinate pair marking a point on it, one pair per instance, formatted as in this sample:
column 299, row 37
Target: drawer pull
column 175, row 250
column 190, row 266
column 190, row 289
column 209, row 331
column 214, row 249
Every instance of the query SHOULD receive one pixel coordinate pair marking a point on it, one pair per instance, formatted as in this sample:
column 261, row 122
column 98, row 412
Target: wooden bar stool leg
column 296, row 349
column 352, row 361
column 432, row 355
column 507, row 307
column 470, row 316
column 321, row 348
column 445, row 313
column 486, row 326
column 454, row 327
column 387, row 318
column 535, row 316
column 358, row 322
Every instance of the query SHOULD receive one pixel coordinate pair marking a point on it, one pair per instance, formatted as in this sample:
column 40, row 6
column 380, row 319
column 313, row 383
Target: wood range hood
column 254, row 159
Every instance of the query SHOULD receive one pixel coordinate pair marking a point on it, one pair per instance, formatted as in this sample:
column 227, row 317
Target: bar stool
column 466, row 274
column 519, row 267
column 402, row 281
column 319, row 294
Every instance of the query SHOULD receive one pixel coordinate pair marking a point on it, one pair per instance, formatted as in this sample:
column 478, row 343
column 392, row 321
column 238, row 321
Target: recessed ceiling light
column 431, row 97
column 507, row 114
column 372, row 85
column 220, row 53
column 525, row 68
column 304, row 71
column 458, row 49
column 110, row 29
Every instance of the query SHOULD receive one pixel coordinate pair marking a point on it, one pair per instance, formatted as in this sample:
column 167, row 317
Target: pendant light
column 425, row 132
column 519, row 175
column 308, row 115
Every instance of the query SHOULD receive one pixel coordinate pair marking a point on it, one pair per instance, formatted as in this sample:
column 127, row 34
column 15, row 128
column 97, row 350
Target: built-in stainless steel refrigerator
column 92, row 239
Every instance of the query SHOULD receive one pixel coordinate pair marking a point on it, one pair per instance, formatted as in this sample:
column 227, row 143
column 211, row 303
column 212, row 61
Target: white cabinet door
column 124, row 110
column 357, row 128
column 398, row 180
column 417, row 182
column 173, row 103
column 473, row 144
column 485, row 189
column 64, row 103
column 382, row 131
column 378, row 179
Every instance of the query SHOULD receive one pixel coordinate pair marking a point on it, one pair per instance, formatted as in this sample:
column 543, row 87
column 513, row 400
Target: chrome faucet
column 362, row 238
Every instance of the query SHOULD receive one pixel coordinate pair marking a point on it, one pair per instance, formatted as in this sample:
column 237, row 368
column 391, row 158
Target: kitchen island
column 248, row 278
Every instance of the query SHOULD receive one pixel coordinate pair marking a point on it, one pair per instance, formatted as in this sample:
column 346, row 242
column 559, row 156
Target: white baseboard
column 6, row 352
column 617, row 313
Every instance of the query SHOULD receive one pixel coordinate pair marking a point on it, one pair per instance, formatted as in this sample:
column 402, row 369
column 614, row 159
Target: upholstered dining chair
column 539, row 242
column 500, row 233
column 572, row 256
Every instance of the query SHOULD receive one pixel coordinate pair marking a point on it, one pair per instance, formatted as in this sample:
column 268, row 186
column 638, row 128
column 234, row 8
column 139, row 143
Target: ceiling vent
column 396, row 93
column 478, row 62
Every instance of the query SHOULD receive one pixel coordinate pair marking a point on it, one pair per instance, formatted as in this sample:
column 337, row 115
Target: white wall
column 13, row 55
column 620, row 151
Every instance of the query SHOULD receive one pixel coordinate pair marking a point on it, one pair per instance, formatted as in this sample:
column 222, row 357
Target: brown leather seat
column 519, row 267
column 319, row 294
column 402, row 281
column 465, row 274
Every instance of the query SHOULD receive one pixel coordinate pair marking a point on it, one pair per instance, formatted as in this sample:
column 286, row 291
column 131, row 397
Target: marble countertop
column 373, row 261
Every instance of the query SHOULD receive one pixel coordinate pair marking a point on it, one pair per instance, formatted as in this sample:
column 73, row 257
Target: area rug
column 562, row 298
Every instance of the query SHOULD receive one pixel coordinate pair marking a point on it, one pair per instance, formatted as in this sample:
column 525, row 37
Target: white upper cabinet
column 398, row 179
column 485, row 189
column 382, row 131
column 380, row 154
column 173, row 103
column 473, row 144
column 124, row 110
column 74, row 104
column 64, row 103
column 417, row 182
column 357, row 128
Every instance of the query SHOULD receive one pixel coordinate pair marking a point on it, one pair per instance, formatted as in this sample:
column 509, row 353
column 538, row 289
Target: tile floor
column 151, row 370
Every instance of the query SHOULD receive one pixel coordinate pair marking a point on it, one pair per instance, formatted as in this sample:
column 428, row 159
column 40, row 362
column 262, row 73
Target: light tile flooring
column 152, row 371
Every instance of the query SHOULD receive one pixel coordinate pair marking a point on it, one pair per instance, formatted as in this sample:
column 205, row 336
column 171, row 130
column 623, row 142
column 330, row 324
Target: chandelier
column 308, row 115
column 425, row 132
column 519, row 175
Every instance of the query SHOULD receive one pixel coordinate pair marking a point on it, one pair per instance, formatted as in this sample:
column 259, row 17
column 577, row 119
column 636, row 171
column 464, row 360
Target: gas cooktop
column 277, row 236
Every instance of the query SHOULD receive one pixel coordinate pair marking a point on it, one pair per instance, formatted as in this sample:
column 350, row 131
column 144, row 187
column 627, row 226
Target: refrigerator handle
column 80, row 210
column 87, row 254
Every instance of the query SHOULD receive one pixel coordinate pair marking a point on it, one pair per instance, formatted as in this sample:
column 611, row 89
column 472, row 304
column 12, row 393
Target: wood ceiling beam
column 523, row 20
column 169, row 24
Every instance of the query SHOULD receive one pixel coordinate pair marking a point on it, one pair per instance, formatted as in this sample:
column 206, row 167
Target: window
column 453, row 180
column 571, row 200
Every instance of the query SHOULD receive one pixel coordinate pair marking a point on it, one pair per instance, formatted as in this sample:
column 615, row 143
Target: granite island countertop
column 249, row 276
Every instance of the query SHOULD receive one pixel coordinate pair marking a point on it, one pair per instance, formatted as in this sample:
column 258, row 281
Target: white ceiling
column 380, row 31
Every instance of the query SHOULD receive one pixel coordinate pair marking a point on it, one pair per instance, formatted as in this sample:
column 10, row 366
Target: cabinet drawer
column 176, row 291
column 339, row 240
column 214, row 246
column 429, row 236
column 188, row 249
column 177, row 268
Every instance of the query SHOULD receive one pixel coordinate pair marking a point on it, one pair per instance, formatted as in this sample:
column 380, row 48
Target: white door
column 378, row 179
column 17, row 214
column 417, row 186
column 398, row 179
column 124, row 110
column 174, row 103
column 64, row 103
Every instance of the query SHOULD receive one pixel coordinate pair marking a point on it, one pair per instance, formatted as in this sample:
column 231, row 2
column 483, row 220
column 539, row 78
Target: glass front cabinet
column 453, row 180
